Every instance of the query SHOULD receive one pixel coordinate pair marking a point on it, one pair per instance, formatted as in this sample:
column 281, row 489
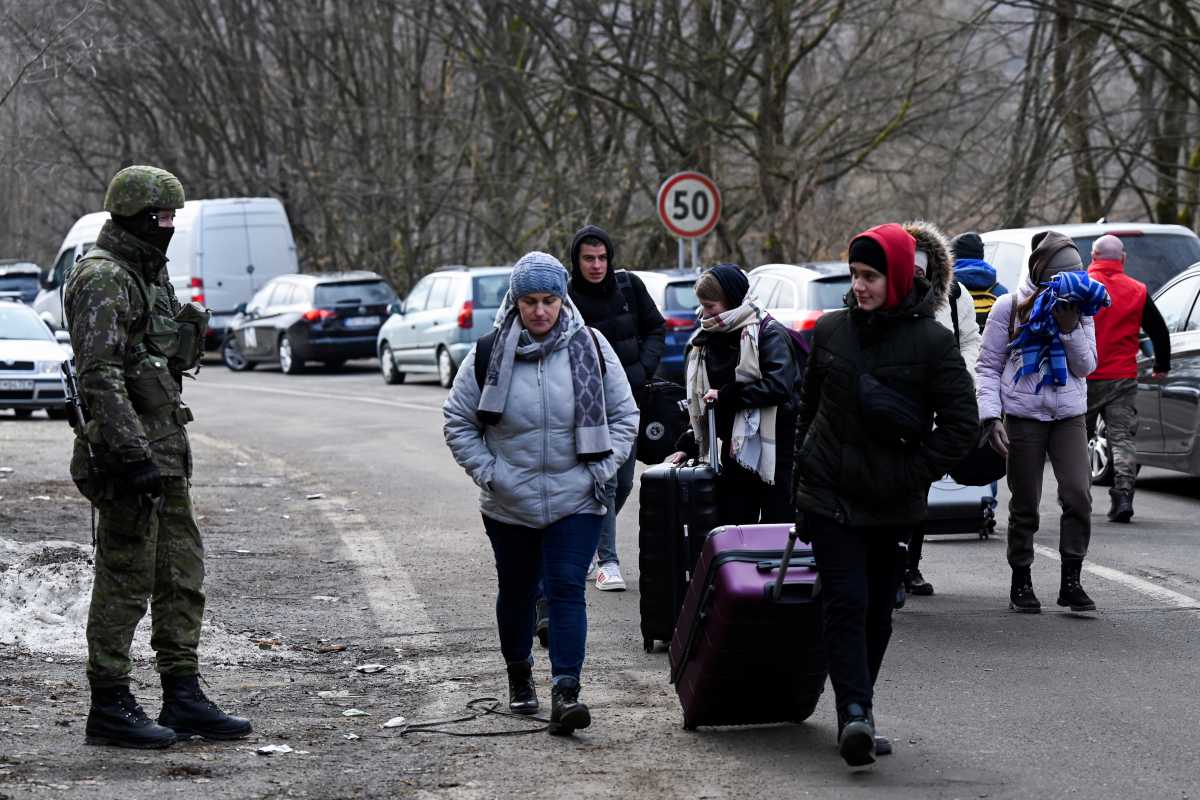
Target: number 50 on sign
column 689, row 204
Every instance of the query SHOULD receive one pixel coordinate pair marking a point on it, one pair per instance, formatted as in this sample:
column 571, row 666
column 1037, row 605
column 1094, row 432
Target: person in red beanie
column 1112, row 386
column 887, row 407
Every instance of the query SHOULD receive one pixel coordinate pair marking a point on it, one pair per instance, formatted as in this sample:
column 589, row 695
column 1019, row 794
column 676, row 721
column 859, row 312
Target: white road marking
column 1152, row 590
column 326, row 396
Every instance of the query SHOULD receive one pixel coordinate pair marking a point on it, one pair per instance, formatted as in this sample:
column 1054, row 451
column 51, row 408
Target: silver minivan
column 433, row 329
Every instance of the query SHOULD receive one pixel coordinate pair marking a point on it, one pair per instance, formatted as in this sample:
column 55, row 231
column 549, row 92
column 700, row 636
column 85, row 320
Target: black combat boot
column 116, row 719
column 567, row 714
column 541, row 625
column 1020, row 596
column 856, row 736
column 1122, row 506
column 1070, row 592
column 522, row 695
column 189, row 713
column 916, row 584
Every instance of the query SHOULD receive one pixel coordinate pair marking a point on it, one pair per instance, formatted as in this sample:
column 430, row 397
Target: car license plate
column 16, row 386
column 361, row 322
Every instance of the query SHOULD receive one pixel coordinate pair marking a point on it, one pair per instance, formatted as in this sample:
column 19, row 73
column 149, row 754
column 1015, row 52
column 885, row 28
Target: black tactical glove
column 140, row 477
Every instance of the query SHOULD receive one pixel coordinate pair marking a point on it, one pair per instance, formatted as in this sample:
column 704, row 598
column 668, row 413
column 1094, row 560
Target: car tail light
column 318, row 315
column 680, row 323
column 466, row 317
column 197, row 287
column 807, row 322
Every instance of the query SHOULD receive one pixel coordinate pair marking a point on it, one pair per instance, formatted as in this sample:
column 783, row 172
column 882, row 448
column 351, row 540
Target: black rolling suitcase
column 678, row 509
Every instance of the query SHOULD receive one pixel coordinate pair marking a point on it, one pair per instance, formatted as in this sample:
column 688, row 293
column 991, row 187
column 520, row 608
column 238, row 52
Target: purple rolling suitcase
column 747, row 648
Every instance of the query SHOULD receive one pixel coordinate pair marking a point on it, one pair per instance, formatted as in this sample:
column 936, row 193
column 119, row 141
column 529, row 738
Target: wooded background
column 405, row 135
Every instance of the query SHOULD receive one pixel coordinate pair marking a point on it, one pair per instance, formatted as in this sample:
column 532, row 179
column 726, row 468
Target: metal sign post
column 689, row 205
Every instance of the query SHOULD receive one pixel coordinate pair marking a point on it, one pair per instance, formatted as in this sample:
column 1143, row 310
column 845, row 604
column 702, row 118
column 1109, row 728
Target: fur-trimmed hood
column 940, row 270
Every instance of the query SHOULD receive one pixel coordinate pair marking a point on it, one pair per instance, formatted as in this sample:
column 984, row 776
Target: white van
column 222, row 252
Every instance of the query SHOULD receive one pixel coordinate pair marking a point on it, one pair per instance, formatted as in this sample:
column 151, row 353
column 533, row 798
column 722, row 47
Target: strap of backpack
column 955, row 293
column 483, row 355
column 625, row 285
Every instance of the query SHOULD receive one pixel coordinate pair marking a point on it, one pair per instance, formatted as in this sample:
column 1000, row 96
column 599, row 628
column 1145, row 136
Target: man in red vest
column 1112, row 387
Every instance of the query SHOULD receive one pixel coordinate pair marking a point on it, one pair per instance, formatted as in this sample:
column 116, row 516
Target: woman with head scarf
column 743, row 361
column 542, row 437
column 1039, row 346
column 887, row 408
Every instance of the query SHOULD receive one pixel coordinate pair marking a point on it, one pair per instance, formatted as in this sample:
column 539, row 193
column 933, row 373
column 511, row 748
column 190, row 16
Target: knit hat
column 1108, row 247
column 734, row 283
column 538, row 272
column 866, row 250
column 967, row 245
column 1052, row 253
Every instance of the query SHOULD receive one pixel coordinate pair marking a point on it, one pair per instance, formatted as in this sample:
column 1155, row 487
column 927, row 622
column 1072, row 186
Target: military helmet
column 138, row 187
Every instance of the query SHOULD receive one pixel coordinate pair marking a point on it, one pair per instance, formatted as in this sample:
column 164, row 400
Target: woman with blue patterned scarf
column 1039, row 345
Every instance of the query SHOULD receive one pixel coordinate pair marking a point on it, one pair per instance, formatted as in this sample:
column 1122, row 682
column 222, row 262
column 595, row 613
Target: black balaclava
column 144, row 225
column 734, row 283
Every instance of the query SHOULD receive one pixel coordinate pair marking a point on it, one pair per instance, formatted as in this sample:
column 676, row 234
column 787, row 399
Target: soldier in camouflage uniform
column 133, row 341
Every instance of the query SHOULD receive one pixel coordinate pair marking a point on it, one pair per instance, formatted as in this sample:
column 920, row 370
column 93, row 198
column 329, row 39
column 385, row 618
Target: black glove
column 140, row 477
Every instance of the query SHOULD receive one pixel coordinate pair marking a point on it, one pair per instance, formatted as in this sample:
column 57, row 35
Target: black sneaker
column 1020, row 596
column 116, row 719
column 189, row 713
column 522, row 694
column 916, row 584
column 567, row 714
column 856, row 739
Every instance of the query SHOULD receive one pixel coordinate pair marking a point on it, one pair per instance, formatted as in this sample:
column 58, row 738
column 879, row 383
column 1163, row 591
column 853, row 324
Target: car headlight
column 49, row 368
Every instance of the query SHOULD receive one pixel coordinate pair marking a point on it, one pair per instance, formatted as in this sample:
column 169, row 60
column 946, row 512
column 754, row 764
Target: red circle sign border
column 665, row 190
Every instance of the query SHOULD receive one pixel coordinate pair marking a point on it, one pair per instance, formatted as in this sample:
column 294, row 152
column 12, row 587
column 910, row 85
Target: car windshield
column 25, row 285
column 1153, row 258
column 681, row 296
column 368, row 293
column 18, row 322
column 487, row 291
column 827, row 293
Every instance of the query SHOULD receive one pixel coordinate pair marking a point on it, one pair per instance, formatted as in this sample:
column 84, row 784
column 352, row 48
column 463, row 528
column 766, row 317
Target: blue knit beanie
column 538, row 272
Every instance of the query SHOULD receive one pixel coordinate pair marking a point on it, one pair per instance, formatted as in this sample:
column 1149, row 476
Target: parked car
column 1168, row 433
column 674, row 292
column 431, row 332
column 19, row 280
column 330, row 317
column 1155, row 253
column 797, row 295
column 223, row 251
column 31, row 359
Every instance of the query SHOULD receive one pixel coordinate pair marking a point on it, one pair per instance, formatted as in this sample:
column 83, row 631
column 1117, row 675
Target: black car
column 1168, row 433
column 294, row 319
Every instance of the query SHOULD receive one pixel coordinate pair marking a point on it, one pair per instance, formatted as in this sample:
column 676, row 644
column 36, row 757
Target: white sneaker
column 608, row 578
column 591, row 573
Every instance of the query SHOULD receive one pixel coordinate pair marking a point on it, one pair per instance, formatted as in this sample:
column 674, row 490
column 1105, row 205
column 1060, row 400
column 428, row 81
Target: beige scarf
column 753, row 444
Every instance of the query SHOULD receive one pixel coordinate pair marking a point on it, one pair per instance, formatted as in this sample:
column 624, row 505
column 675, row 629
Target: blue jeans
column 563, row 552
column 616, row 492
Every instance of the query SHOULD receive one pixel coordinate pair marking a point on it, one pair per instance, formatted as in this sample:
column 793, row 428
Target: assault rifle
column 77, row 416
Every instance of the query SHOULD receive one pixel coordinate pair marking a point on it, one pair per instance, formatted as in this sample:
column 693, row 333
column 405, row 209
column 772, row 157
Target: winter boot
column 567, row 714
column 916, row 584
column 522, row 694
column 541, row 625
column 1070, row 592
column 1020, row 596
column 856, row 736
column 189, row 713
column 1122, row 506
column 116, row 719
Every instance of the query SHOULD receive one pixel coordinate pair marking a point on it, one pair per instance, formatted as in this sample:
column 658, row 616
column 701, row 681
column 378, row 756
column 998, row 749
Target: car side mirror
column 47, row 281
column 62, row 337
column 241, row 308
column 396, row 307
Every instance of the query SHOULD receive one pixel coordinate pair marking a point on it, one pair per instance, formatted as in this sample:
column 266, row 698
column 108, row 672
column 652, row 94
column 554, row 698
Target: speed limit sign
column 689, row 204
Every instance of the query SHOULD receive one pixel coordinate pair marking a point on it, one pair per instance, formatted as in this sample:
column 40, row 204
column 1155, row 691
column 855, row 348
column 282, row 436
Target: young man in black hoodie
column 617, row 304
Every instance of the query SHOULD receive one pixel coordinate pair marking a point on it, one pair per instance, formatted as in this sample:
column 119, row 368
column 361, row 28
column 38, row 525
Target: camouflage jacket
column 119, row 303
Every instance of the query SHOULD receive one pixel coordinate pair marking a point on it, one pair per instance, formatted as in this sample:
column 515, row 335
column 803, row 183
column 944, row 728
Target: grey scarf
column 587, row 379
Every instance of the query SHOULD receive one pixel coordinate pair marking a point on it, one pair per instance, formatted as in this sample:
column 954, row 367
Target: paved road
column 981, row 702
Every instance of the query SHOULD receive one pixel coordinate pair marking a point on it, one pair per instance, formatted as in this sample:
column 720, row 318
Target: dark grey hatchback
column 1168, row 433
column 294, row 319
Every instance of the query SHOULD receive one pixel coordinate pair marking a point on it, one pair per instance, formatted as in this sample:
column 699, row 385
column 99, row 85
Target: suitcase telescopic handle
column 777, row 593
column 714, row 446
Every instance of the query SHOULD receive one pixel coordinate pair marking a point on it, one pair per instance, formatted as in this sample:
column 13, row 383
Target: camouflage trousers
column 147, row 552
column 1116, row 401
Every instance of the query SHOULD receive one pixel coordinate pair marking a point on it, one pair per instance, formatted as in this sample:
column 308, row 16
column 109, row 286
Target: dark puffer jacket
column 632, row 324
column 841, row 470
